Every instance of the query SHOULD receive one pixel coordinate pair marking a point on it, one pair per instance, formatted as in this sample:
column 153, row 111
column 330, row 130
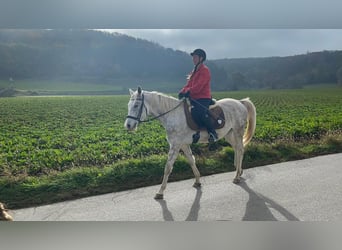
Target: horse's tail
column 251, row 120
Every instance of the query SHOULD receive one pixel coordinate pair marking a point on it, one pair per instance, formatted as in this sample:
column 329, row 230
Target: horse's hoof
column 159, row 196
column 197, row 185
column 236, row 180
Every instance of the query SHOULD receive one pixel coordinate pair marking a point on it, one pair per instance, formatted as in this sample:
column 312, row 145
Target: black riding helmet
column 200, row 53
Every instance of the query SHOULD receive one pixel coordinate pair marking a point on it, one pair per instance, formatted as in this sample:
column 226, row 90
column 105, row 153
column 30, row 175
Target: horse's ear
column 131, row 92
column 139, row 90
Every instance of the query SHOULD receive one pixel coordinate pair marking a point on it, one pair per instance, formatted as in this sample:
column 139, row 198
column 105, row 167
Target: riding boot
column 196, row 137
column 211, row 131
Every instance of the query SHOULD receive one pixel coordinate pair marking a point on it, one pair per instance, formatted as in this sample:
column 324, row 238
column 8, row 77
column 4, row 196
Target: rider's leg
column 210, row 128
column 206, row 119
column 196, row 113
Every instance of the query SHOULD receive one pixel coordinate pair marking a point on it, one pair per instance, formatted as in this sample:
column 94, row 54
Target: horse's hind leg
column 235, row 139
column 238, row 155
column 173, row 153
column 187, row 152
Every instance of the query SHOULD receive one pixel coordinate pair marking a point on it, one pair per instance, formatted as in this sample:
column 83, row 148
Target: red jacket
column 199, row 83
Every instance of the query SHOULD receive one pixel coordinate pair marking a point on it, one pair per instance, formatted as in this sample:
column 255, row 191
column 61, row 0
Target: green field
column 57, row 148
column 63, row 87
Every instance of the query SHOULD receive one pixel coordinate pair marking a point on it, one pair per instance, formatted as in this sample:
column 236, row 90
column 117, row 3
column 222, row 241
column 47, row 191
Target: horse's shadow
column 193, row 214
column 257, row 207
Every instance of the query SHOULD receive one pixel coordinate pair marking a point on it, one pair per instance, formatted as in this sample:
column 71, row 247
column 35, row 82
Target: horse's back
column 233, row 108
column 229, row 102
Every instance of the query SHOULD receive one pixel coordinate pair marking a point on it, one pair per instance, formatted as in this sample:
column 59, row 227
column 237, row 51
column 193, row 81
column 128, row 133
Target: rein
column 138, row 118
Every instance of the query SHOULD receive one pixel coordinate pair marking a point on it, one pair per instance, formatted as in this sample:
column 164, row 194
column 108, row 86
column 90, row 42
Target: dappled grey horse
column 240, row 122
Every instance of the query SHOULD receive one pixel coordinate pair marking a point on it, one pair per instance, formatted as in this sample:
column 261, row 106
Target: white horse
column 4, row 215
column 240, row 122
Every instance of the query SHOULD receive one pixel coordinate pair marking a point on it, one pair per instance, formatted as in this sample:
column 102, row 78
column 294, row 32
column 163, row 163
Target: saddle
column 215, row 112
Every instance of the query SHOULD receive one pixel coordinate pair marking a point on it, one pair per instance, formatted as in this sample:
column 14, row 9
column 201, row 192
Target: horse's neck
column 159, row 103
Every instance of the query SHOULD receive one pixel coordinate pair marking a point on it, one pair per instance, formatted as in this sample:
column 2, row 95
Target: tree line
column 283, row 72
column 99, row 57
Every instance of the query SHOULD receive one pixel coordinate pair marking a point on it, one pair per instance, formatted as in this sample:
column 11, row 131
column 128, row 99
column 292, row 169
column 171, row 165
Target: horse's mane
column 162, row 94
column 165, row 102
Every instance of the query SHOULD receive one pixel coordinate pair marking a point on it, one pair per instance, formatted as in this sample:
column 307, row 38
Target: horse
column 239, row 128
column 4, row 215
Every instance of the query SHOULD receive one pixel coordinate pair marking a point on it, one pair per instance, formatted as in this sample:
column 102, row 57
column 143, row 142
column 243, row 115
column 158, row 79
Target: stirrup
column 212, row 138
column 196, row 137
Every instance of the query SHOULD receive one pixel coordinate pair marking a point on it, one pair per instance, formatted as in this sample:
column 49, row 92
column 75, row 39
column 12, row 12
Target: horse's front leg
column 191, row 159
column 173, row 153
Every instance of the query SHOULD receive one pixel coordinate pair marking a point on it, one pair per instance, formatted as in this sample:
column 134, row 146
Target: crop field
column 42, row 136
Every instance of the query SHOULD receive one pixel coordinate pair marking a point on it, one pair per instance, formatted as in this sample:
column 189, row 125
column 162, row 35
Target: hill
column 115, row 62
column 86, row 56
column 283, row 72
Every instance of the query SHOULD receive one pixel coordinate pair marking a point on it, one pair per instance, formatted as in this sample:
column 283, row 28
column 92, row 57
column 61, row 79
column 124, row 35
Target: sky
column 224, row 28
column 242, row 43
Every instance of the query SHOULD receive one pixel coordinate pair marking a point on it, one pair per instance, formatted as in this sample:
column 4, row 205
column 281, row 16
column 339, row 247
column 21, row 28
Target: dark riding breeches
column 200, row 114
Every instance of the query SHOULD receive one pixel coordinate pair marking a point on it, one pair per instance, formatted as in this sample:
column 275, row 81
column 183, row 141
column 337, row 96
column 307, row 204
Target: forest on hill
column 119, row 60
column 283, row 72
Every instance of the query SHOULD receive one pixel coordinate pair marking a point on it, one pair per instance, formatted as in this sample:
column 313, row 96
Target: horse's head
column 137, row 111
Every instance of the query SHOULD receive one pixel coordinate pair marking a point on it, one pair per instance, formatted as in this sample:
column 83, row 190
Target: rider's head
column 198, row 56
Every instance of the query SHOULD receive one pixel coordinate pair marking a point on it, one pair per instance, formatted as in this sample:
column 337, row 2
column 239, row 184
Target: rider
column 198, row 89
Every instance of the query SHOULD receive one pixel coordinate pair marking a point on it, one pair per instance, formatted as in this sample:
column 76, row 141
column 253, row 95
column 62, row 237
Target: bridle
column 142, row 106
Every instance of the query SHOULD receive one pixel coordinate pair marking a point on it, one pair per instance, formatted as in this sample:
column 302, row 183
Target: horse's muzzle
column 131, row 125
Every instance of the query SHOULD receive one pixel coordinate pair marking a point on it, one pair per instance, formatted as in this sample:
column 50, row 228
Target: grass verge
column 20, row 192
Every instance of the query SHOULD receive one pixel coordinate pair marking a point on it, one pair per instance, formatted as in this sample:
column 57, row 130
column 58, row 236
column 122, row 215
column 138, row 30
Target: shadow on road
column 193, row 214
column 258, row 207
column 167, row 215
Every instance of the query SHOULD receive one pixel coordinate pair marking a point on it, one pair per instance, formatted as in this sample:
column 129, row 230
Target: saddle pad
column 216, row 116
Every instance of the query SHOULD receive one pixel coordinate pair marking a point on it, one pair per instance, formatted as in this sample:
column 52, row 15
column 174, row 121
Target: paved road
column 305, row 190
